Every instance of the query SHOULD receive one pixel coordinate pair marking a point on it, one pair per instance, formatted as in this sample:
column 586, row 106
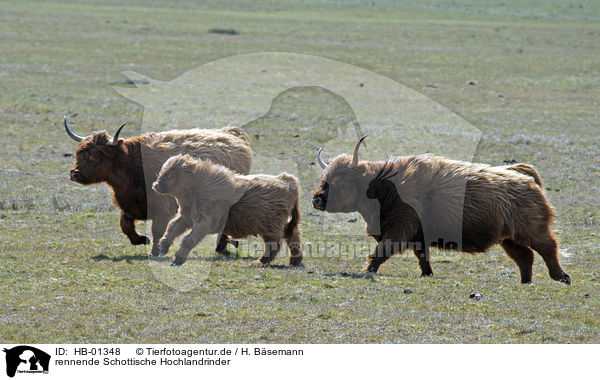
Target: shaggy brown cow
column 419, row 201
column 213, row 199
column 129, row 166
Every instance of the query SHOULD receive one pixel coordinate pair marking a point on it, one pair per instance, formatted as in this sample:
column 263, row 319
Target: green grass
column 67, row 274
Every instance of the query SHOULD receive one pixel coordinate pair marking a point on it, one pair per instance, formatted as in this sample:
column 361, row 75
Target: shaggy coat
column 421, row 201
column 213, row 199
column 129, row 167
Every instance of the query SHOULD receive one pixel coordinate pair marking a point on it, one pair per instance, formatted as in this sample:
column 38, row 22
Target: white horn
column 355, row 155
column 115, row 139
column 321, row 162
column 71, row 133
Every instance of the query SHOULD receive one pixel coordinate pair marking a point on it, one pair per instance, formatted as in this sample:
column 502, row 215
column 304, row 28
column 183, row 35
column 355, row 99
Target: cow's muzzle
column 319, row 202
column 76, row 176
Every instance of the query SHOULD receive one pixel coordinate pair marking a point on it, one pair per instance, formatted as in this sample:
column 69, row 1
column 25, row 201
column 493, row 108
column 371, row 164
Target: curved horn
column 355, row 155
column 321, row 162
column 115, row 139
column 70, row 132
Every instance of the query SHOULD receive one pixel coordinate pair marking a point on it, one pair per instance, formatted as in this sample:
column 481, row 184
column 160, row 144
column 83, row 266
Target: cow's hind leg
column 272, row 246
column 159, row 226
column 295, row 246
column 222, row 241
column 523, row 256
column 547, row 247
column 128, row 227
column 422, row 253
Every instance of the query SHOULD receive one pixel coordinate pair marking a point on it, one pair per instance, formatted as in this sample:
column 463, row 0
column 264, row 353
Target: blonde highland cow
column 214, row 199
column 416, row 202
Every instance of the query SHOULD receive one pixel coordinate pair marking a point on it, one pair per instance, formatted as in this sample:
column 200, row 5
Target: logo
column 26, row 359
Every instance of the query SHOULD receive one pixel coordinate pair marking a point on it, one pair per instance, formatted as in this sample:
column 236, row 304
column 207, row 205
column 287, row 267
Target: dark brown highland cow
column 129, row 166
column 416, row 202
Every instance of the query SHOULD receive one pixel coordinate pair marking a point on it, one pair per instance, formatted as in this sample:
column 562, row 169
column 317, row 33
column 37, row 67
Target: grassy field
column 67, row 274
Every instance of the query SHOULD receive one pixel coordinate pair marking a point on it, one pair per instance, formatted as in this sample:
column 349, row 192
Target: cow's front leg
column 383, row 251
column 222, row 241
column 159, row 225
column 128, row 227
column 198, row 232
column 175, row 228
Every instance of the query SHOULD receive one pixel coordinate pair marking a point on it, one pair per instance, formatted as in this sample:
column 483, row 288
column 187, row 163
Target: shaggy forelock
column 177, row 162
column 198, row 168
column 97, row 138
column 340, row 166
column 340, row 162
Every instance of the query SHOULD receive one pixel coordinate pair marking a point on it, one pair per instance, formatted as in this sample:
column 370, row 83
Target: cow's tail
column 527, row 170
column 291, row 228
column 292, row 235
column 237, row 131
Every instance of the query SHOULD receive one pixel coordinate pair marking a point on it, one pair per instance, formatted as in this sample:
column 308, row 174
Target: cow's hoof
column 222, row 246
column 565, row 278
column 177, row 262
column 142, row 240
column 223, row 252
column 162, row 251
column 368, row 275
column 369, row 269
